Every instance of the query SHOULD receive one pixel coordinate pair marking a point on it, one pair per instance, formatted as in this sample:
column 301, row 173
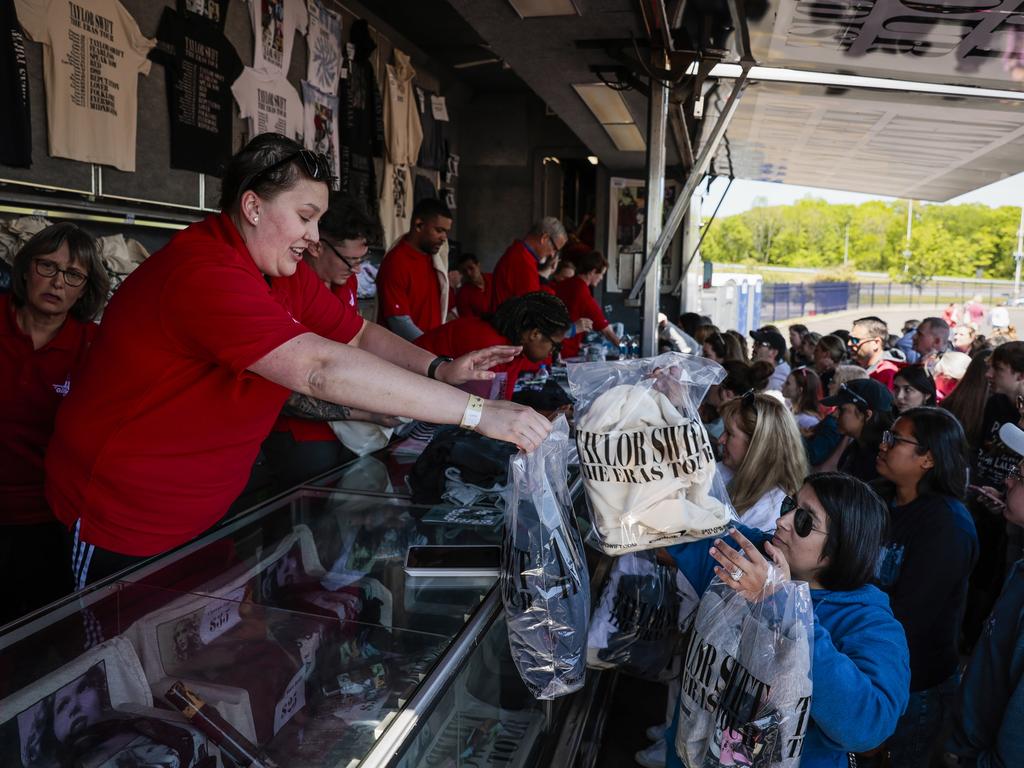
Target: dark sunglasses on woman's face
column 316, row 165
column 803, row 520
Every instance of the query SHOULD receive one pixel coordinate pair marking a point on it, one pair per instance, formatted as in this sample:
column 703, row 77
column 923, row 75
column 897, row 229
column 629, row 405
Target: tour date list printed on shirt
column 93, row 54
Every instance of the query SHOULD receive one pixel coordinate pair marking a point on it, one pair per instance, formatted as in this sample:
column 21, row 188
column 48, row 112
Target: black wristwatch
column 436, row 363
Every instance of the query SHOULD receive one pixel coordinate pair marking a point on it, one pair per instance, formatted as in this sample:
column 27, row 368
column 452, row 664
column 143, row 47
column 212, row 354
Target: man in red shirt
column 412, row 284
column 537, row 322
column 474, row 297
column 518, row 270
column 867, row 347
column 575, row 292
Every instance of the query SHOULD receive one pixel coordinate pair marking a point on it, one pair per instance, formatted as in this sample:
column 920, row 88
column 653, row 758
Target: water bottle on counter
column 634, row 347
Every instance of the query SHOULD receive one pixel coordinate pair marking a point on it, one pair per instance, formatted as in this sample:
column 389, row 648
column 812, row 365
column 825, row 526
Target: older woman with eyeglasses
column 929, row 552
column 58, row 287
column 828, row 535
column 201, row 347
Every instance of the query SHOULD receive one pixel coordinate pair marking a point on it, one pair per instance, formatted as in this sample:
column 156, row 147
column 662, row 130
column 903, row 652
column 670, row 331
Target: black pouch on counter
column 549, row 396
column 482, row 461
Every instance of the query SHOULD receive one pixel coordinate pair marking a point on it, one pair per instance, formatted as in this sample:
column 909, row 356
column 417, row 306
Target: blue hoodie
column 989, row 723
column 860, row 671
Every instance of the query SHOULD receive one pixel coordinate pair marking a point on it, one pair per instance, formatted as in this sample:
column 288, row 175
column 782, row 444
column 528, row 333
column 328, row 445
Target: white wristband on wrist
column 474, row 411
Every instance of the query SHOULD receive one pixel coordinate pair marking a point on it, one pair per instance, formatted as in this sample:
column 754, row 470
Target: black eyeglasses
column 316, row 165
column 73, row 277
column 889, row 439
column 857, row 399
column 351, row 265
column 803, row 519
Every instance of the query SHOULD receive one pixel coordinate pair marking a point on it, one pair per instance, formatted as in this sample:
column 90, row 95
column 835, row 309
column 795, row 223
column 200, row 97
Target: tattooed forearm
column 306, row 407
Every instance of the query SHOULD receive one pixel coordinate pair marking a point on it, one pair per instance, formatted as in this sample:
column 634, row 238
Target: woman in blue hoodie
column 828, row 536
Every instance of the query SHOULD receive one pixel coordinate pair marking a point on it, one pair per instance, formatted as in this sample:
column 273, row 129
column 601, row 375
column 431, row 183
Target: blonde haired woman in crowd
column 763, row 458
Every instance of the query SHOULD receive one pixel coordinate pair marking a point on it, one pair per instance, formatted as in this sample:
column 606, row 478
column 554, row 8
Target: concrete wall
column 503, row 138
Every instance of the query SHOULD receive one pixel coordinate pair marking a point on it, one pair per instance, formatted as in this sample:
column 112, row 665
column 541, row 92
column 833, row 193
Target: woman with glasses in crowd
column 201, row 347
column 829, row 536
column 802, row 389
column 58, row 285
column 989, row 723
column 864, row 412
column 929, row 551
column 912, row 387
column 762, row 457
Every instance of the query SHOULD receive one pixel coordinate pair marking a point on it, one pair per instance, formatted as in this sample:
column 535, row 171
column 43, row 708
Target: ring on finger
column 737, row 574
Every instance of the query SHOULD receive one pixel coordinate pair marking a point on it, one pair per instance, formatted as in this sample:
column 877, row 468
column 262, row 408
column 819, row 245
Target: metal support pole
column 657, row 132
column 1018, row 256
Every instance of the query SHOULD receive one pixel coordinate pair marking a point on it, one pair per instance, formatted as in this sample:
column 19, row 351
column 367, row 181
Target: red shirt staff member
column 575, row 292
column 537, row 322
column 518, row 270
column 302, row 444
column 410, row 299
column 474, row 297
column 58, row 286
column 198, row 352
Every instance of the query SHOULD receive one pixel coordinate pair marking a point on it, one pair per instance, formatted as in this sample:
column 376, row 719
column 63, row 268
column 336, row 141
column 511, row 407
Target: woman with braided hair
column 537, row 322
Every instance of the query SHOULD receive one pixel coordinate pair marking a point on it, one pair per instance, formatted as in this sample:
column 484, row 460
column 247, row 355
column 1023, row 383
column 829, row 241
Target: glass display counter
column 296, row 625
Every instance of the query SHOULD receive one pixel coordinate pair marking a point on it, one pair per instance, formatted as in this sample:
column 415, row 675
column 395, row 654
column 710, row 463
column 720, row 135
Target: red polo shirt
column 472, row 301
column 885, row 372
column 33, row 383
column 158, row 436
column 310, row 430
column 468, row 334
column 576, row 296
column 407, row 284
column 515, row 275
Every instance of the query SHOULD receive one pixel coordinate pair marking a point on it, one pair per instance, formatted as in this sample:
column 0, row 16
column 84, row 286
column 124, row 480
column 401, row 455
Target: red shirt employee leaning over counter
column 199, row 350
column 58, row 286
column 575, row 292
column 537, row 321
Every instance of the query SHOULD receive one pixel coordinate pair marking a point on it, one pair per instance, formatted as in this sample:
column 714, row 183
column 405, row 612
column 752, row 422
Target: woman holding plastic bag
column 829, row 537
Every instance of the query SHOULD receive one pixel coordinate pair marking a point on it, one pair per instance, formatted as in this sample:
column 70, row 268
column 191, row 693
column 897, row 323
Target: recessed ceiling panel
column 877, row 142
column 956, row 42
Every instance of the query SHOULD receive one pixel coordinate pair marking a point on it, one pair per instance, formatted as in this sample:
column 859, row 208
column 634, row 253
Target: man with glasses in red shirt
column 518, row 270
column 867, row 347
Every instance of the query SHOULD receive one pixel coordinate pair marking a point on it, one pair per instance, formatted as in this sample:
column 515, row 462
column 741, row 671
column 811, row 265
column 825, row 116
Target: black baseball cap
column 771, row 338
column 868, row 393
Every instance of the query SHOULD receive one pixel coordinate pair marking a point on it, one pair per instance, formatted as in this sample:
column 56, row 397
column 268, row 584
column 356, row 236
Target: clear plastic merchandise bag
column 647, row 462
column 545, row 586
column 635, row 626
column 745, row 690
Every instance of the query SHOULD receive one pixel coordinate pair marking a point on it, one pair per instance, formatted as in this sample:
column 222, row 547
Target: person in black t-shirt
column 925, row 564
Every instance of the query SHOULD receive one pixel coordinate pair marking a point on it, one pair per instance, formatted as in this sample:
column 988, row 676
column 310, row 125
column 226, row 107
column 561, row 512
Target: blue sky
column 1009, row 191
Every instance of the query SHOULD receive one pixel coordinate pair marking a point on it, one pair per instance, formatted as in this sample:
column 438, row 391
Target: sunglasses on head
column 315, row 164
column 803, row 520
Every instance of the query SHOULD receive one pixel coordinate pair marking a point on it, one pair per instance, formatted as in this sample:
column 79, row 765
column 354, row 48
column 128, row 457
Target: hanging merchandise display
column 274, row 23
column 402, row 131
column 16, row 127
column 362, row 121
column 215, row 11
column 201, row 65
column 93, row 53
column 745, row 690
column 321, row 125
column 433, row 112
column 545, row 586
column 396, row 202
column 324, row 42
column 647, row 462
column 269, row 102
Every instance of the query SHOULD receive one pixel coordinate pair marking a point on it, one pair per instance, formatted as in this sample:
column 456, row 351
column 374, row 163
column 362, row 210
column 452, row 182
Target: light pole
column 906, row 250
column 1018, row 256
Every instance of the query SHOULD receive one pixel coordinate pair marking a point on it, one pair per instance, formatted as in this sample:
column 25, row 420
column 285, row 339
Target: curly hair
column 538, row 310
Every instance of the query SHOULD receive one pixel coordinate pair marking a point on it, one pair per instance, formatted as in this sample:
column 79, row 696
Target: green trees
column 956, row 240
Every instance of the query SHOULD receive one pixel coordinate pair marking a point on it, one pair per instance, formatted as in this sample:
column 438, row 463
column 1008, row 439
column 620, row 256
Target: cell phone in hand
column 988, row 495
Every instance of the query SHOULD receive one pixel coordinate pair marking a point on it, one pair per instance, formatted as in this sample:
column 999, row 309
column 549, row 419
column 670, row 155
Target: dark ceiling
column 439, row 31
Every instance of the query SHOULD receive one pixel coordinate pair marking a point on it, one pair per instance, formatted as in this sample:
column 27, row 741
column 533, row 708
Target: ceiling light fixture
column 611, row 111
column 592, row 159
column 532, row 9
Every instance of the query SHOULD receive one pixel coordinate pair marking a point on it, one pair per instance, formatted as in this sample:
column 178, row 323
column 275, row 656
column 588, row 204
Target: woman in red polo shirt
column 57, row 287
column 575, row 292
column 198, row 352
column 537, row 322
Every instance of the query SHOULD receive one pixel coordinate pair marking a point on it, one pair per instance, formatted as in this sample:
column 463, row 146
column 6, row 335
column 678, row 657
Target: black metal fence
column 783, row 301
